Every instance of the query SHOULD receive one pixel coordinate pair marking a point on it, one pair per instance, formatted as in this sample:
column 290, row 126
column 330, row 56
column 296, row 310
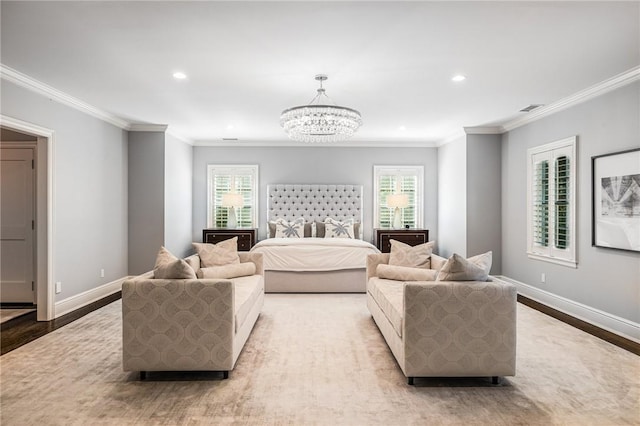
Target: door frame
column 45, row 155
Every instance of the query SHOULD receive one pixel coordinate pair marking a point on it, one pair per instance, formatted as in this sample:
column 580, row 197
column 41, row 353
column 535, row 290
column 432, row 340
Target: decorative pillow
column 405, row 273
column 412, row 256
column 320, row 229
column 337, row 229
column 223, row 253
column 293, row 229
column 309, row 229
column 170, row 267
column 228, row 271
column 475, row 268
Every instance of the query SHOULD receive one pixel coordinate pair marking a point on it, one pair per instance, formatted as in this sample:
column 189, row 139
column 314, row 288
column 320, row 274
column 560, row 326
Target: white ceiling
column 247, row 61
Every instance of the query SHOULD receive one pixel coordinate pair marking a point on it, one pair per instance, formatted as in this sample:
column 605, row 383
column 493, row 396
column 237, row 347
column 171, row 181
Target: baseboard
column 608, row 322
column 78, row 301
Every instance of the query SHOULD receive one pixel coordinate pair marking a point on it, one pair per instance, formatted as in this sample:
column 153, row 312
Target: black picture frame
column 615, row 200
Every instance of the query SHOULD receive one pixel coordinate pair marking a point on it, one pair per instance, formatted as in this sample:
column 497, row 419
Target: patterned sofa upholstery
column 189, row 325
column 445, row 328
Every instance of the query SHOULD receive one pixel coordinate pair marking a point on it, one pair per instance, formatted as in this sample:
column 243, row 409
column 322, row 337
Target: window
column 551, row 199
column 223, row 179
column 398, row 179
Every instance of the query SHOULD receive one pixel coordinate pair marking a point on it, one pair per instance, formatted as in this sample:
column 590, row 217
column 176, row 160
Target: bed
column 312, row 263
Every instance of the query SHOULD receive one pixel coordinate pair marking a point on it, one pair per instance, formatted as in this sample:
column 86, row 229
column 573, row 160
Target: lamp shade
column 397, row 200
column 231, row 199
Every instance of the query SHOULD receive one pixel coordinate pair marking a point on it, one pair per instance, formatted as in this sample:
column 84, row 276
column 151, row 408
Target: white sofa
column 446, row 328
column 190, row 324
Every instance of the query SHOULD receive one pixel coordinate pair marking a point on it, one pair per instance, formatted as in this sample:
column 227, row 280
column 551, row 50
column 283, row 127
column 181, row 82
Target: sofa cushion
column 223, row 253
column 475, row 268
column 228, row 271
column 405, row 273
column 168, row 266
column 412, row 256
column 246, row 292
column 389, row 295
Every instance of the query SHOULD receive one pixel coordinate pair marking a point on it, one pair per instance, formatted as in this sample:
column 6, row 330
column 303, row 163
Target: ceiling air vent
column 229, row 139
column 530, row 107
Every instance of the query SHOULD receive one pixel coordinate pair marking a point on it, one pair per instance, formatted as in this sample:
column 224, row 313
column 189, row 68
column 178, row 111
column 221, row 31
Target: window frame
column 414, row 170
column 551, row 153
column 233, row 170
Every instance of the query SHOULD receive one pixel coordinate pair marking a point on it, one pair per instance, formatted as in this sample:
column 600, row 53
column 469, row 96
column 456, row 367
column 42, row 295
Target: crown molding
column 484, row 130
column 290, row 143
column 145, row 127
column 599, row 89
column 23, row 80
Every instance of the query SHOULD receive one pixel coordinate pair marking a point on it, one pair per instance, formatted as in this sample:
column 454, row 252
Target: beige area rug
column 316, row 359
column 7, row 314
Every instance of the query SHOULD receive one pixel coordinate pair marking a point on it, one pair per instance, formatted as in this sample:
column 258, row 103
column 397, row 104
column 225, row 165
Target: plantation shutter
column 392, row 180
column 541, row 201
column 241, row 180
column 551, row 202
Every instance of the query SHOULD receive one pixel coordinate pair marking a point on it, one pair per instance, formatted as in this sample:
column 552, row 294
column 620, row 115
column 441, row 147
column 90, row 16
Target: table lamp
column 232, row 200
column 397, row 202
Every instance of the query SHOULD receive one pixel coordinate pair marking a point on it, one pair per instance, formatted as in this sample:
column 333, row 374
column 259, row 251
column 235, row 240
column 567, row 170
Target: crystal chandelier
column 320, row 121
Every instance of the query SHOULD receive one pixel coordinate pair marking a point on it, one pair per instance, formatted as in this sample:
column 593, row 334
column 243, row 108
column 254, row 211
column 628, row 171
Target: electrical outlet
column 58, row 287
column 101, row 273
column 543, row 278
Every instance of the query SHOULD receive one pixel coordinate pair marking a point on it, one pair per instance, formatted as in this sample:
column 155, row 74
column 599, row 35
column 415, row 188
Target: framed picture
column 616, row 200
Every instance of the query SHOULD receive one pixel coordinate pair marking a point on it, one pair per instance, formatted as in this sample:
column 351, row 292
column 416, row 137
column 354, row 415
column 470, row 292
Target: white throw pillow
column 475, row 268
column 169, row 267
column 336, row 229
column 223, row 253
column 228, row 271
column 293, row 229
column 405, row 273
column 412, row 256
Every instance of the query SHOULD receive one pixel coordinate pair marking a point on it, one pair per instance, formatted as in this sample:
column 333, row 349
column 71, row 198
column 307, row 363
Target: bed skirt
column 341, row 281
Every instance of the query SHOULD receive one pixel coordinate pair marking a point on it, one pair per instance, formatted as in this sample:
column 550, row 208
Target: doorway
column 16, row 133
column 17, row 220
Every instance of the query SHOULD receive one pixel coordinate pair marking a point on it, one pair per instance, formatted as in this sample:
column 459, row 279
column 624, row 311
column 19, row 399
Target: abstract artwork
column 616, row 200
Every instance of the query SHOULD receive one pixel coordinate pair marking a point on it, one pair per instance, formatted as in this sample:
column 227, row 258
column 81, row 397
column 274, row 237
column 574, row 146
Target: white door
column 16, row 225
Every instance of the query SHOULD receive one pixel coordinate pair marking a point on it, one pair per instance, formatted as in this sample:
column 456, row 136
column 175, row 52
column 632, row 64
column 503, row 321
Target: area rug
column 316, row 359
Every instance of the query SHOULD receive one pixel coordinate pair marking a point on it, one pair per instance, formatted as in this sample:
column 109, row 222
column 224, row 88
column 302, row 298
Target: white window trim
column 399, row 170
column 570, row 259
column 233, row 169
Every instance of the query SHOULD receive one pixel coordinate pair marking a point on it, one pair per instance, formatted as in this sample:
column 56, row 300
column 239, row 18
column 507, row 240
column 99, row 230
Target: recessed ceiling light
column 230, row 127
column 402, row 128
column 179, row 75
column 458, row 77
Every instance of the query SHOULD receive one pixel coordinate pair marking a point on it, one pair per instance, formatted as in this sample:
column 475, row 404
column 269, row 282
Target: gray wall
column 605, row 279
column 452, row 198
column 484, row 218
column 328, row 165
column 178, row 196
column 89, row 194
column 146, row 199
column 469, row 198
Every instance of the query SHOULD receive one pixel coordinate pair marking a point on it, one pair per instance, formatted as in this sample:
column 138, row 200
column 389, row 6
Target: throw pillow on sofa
column 405, row 273
column 168, row 266
column 223, row 253
column 228, row 271
column 412, row 256
column 475, row 268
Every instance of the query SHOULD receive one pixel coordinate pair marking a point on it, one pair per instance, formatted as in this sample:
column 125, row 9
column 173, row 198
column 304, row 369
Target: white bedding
column 314, row 254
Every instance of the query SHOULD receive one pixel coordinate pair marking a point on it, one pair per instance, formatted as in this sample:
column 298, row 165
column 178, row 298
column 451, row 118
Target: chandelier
column 321, row 120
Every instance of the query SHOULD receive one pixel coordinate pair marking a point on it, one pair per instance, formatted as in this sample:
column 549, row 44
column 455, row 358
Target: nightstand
column 246, row 236
column 413, row 237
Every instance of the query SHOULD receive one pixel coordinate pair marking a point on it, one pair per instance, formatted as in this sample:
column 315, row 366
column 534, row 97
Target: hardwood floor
column 24, row 329
column 605, row 335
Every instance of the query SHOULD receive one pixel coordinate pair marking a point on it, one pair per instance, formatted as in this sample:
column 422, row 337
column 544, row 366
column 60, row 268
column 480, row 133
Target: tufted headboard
column 314, row 202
